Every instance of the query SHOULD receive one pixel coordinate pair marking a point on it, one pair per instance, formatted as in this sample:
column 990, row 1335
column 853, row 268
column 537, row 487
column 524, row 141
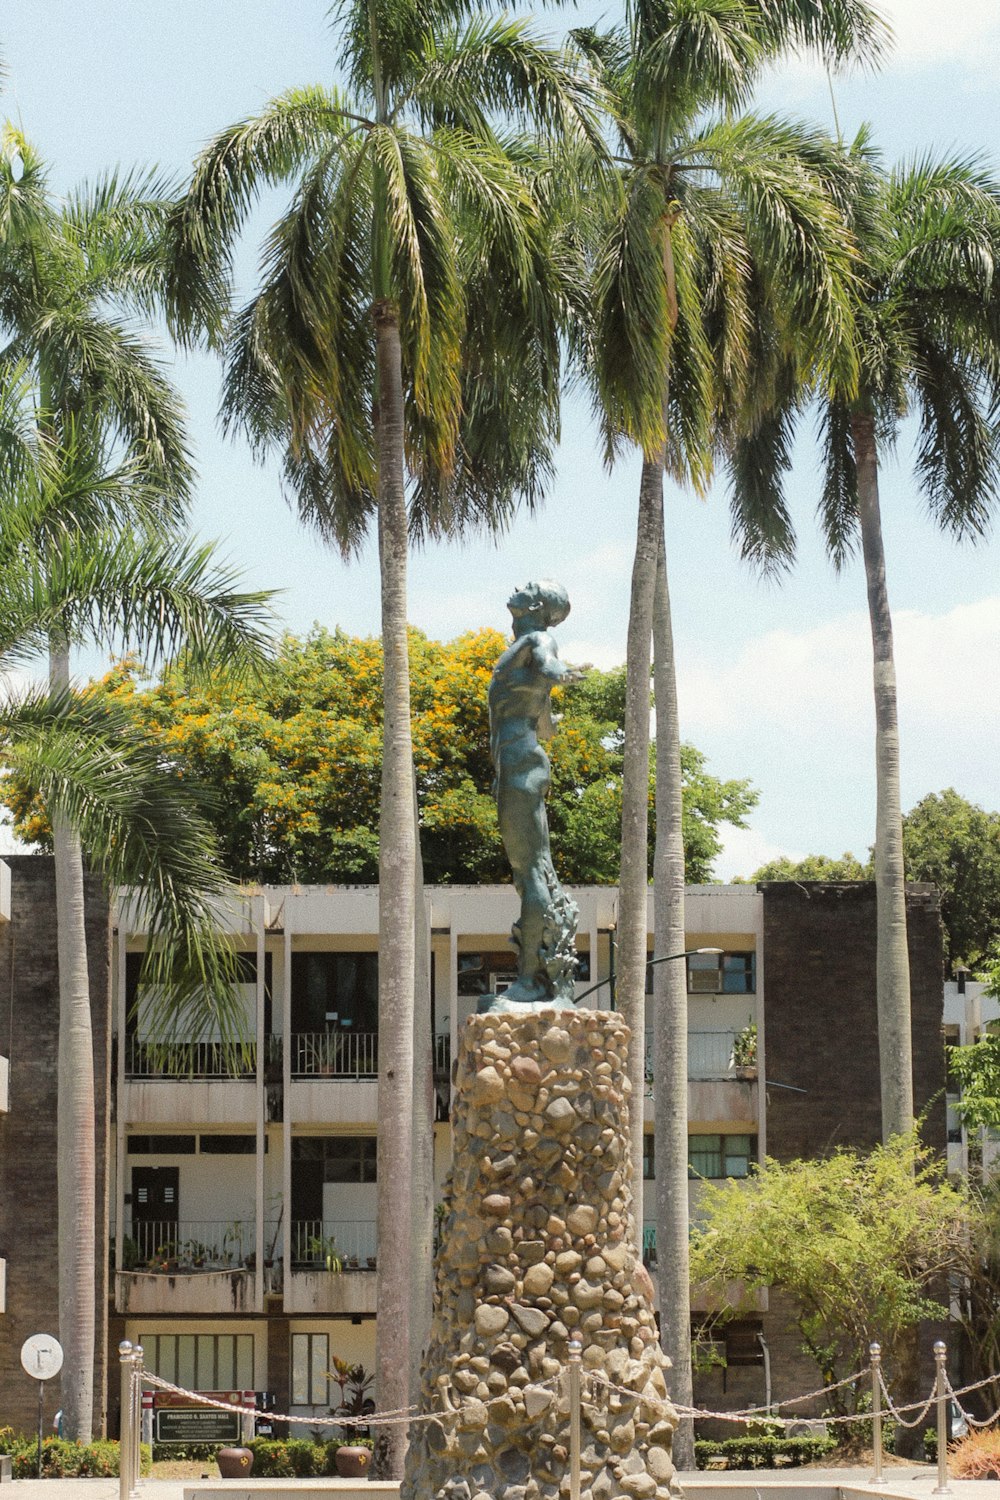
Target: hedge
column 763, row 1452
column 298, row 1458
column 62, row 1459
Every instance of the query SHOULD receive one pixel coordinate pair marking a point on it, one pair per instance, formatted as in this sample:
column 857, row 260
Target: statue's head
column 546, row 602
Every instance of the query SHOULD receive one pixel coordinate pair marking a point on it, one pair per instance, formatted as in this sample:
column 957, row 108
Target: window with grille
column 310, row 1369
column 201, row 1361
column 721, row 1155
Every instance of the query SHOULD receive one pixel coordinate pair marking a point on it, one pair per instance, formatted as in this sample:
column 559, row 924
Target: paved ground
column 919, row 1482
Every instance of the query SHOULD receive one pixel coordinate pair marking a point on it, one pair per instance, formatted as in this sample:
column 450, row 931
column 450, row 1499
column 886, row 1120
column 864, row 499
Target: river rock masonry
column 536, row 1248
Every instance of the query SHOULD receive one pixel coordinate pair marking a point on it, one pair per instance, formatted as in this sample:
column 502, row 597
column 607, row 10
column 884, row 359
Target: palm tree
column 926, row 342
column 101, row 449
column 369, row 361
column 722, row 226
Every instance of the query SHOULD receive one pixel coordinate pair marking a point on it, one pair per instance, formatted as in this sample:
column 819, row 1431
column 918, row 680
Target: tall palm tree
column 926, row 342
column 106, row 451
column 722, row 223
column 367, row 361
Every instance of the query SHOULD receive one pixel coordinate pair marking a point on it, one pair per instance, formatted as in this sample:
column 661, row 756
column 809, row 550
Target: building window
column 486, row 973
column 201, row 1361
column 648, row 1156
column 722, row 973
column 310, row 1369
column 161, row 1145
column 721, row 1155
column 345, row 1158
column 230, row 1145
column 335, row 992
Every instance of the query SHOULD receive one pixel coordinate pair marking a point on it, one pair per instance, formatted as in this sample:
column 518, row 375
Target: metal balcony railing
column 188, row 1244
column 331, row 1244
column 710, row 1055
column 442, row 1054
column 175, row 1061
column 335, row 1054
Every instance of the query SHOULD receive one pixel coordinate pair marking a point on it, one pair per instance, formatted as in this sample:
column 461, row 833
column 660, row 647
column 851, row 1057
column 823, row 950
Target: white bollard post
column 875, row 1350
column 125, row 1420
column 136, row 1416
column 575, row 1363
column 940, row 1356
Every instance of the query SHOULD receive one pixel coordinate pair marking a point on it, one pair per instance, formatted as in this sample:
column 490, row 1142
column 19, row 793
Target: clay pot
column 234, row 1463
column 352, row 1462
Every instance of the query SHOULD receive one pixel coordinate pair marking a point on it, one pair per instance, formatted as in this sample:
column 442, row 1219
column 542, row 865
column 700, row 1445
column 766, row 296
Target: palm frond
column 228, row 178
column 838, row 503
column 144, row 828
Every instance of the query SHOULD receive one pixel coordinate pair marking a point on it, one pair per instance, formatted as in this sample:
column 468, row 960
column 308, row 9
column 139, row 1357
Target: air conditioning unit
column 704, row 982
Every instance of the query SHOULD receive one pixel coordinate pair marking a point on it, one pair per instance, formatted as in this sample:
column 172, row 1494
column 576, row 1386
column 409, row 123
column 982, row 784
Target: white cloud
column 745, row 850
column 927, row 32
column 796, row 710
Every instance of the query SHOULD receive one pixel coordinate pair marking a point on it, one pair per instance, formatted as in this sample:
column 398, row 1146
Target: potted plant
column 745, row 1051
column 353, row 1460
column 323, row 1247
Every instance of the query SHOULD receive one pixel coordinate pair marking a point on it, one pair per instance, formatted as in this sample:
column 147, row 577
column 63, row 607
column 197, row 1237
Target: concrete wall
column 28, row 1231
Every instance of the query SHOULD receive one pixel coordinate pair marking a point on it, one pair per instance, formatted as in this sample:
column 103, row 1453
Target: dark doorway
column 155, row 1192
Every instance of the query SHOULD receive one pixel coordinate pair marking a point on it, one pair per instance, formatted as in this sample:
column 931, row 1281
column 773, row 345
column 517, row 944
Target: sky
column 774, row 678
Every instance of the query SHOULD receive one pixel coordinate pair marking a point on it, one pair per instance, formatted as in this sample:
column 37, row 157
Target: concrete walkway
column 902, row 1483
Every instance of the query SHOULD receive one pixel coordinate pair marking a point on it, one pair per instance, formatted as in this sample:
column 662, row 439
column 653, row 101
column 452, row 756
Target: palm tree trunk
column 422, row 1252
column 892, row 982
column 633, row 881
column 396, row 913
column 670, row 1044
column 76, row 1166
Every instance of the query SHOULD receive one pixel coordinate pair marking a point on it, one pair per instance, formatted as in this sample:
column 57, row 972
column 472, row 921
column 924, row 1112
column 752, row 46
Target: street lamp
column 666, row 959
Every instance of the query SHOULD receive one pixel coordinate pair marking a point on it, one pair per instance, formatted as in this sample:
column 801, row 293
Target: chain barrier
column 575, row 1392
column 896, row 1412
column 964, row 1390
column 402, row 1416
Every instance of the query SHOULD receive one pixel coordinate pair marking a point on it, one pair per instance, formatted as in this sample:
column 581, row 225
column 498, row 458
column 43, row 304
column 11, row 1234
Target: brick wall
column 820, row 1017
column 29, row 1007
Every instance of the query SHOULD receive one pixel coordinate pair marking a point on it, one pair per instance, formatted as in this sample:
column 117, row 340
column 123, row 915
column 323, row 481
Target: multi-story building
column 242, row 1198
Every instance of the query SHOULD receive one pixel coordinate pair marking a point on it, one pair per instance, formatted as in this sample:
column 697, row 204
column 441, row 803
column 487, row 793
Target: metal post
column 136, row 1416
column 41, row 1418
column 941, row 1385
column 125, row 1420
column 875, row 1350
column 575, row 1362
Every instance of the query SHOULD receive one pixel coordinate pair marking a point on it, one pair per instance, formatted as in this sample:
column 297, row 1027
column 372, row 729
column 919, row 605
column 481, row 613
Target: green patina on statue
column 520, row 719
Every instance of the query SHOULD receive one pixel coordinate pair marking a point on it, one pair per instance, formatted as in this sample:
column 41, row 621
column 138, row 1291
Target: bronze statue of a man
column 520, row 719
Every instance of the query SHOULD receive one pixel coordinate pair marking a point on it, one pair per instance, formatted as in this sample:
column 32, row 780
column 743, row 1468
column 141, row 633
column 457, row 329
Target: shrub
column 62, row 1459
column 202, row 1452
column 296, row 1458
column 763, row 1452
column 976, row 1456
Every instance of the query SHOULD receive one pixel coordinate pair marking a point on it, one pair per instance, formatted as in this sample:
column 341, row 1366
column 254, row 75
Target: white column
column 286, row 1087
column 259, row 906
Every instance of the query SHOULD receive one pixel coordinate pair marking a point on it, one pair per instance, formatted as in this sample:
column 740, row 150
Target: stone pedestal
column 535, row 1248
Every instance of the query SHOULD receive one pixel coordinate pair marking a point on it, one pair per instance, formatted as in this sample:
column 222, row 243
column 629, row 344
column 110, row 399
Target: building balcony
column 333, row 1266
column 719, row 1089
column 192, row 1266
column 145, row 1293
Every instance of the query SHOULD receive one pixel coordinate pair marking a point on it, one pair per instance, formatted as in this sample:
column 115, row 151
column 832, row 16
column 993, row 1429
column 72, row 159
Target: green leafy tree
column 812, row 867
column 290, row 765
column 926, row 340
column 858, row 1244
column 954, row 844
